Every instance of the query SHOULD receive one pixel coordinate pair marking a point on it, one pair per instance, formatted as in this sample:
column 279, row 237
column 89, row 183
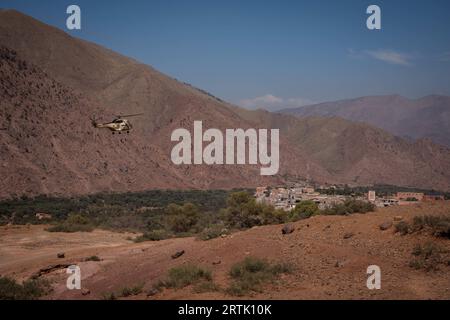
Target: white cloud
column 273, row 103
column 268, row 100
column 355, row 54
column 390, row 56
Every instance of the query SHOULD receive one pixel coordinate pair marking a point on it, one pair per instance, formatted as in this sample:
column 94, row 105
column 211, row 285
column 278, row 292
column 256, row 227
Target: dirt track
column 327, row 266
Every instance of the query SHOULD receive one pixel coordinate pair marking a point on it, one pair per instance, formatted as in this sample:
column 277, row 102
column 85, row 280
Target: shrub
column 133, row 291
column 93, row 258
column 438, row 225
column 180, row 277
column 244, row 212
column 250, row 274
column 205, row 286
column 109, row 296
column 427, row 256
column 402, row 227
column 338, row 209
column 182, row 218
column 73, row 223
column 304, row 210
column 350, row 206
column 155, row 235
column 270, row 215
column 358, row 206
column 29, row 290
column 212, row 232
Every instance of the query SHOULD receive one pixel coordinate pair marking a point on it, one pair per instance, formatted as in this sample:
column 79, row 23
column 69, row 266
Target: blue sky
column 273, row 54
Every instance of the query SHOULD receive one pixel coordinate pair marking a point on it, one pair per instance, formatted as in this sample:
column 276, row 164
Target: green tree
column 304, row 210
column 182, row 218
column 244, row 212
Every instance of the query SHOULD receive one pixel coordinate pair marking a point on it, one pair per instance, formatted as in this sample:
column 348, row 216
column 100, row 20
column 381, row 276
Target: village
column 286, row 198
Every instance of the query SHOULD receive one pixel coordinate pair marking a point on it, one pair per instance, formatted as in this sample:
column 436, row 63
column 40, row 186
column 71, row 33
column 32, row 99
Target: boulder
column 339, row 264
column 386, row 225
column 152, row 292
column 348, row 235
column 61, row 255
column 288, row 228
column 177, row 254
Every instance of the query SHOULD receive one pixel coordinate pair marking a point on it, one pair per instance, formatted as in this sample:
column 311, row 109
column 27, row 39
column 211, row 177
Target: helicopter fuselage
column 118, row 125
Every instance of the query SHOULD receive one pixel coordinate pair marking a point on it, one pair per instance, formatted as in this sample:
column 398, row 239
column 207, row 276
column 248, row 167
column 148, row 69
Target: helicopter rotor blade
column 129, row 115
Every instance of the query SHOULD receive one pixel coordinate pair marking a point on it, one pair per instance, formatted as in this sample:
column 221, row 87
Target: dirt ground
column 326, row 265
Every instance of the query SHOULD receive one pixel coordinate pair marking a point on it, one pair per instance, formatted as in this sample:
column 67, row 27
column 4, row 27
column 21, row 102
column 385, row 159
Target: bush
column 29, row 290
column 358, row 206
column 156, row 235
column 350, row 206
column 73, row 223
column 205, row 286
column 402, row 227
column 109, row 296
column 270, row 215
column 133, row 291
column 304, row 210
column 124, row 292
column 182, row 218
column 212, row 232
column 93, row 258
column 438, row 225
column 427, row 256
column 184, row 276
column 250, row 274
column 244, row 212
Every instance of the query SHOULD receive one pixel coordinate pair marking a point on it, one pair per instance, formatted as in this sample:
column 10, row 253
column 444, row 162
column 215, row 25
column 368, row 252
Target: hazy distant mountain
column 51, row 84
column 427, row 117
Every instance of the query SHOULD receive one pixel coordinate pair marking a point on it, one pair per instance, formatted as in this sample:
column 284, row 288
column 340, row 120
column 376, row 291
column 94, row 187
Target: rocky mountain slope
column 427, row 117
column 49, row 146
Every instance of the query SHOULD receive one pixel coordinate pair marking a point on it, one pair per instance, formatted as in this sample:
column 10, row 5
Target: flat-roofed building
column 409, row 196
column 433, row 197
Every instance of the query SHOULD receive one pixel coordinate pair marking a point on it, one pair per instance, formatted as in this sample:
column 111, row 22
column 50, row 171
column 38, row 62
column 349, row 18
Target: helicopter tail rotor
column 94, row 121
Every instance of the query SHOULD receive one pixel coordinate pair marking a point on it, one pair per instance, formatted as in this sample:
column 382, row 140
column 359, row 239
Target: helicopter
column 119, row 124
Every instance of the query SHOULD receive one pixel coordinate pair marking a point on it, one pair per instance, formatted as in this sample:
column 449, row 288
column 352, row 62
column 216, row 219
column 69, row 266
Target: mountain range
column 427, row 117
column 52, row 84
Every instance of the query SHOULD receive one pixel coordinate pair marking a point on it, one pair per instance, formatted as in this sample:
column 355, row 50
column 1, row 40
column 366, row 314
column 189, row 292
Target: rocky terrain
column 329, row 255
